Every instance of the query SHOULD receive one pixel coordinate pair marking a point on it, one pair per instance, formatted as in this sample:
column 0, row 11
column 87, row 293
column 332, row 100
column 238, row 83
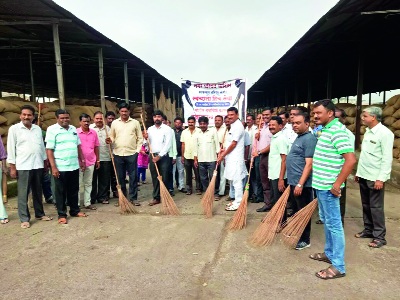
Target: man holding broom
column 205, row 153
column 235, row 168
column 299, row 166
column 333, row 162
column 160, row 138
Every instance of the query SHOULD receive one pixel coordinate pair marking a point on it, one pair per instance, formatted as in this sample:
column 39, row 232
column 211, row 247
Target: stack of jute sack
column 391, row 118
column 137, row 111
column 167, row 107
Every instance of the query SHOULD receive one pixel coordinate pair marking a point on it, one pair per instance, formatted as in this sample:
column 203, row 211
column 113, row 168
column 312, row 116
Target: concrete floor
column 151, row 256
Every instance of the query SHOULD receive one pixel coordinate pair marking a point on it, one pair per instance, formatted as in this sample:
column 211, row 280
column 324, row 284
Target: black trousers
column 206, row 170
column 127, row 164
column 113, row 181
column 373, row 209
column 170, row 176
column 30, row 180
column 101, row 182
column 164, row 166
column 66, row 190
column 265, row 182
column 189, row 169
column 300, row 202
column 342, row 200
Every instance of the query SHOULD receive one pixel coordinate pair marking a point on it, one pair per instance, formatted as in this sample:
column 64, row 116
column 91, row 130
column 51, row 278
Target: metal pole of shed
column 60, row 82
column 360, row 87
column 384, row 97
column 347, row 99
column 32, row 81
column 142, row 87
column 126, row 82
column 101, row 77
column 309, row 95
column 329, row 85
column 286, row 98
column 153, row 86
column 173, row 98
column 369, row 99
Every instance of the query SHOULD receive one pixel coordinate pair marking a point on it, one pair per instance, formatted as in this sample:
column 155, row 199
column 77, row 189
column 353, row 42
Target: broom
column 168, row 204
column 126, row 207
column 294, row 227
column 208, row 199
column 266, row 231
column 240, row 217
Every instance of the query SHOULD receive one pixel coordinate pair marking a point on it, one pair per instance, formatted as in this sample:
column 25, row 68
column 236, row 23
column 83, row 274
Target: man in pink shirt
column 90, row 149
column 261, row 158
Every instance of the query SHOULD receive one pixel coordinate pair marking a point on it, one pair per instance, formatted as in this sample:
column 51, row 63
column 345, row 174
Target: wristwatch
column 299, row 185
column 258, row 152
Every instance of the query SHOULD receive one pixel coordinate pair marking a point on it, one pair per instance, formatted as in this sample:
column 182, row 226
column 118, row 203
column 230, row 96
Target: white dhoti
column 235, row 171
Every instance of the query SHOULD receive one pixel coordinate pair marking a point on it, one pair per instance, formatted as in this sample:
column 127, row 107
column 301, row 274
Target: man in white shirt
column 220, row 128
column 235, row 168
column 172, row 153
column 27, row 158
column 160, row 138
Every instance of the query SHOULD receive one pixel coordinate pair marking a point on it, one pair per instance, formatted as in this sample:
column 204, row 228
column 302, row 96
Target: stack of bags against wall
column 391, row 118
column 137, row 110
column 10, row 108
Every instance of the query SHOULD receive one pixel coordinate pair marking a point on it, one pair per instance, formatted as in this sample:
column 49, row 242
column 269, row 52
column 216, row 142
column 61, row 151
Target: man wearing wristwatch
column 160, row 137
column 299, row 167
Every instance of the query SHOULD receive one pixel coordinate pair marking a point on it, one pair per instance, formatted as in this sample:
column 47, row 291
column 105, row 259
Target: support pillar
column 329, row 85
column 309, row 95
column 360, row 87
column 384, row 97
column 142, row 88
column 60, row 81
column 126, row 85
column 101, row 77
column 33, row 95
column 153, row 86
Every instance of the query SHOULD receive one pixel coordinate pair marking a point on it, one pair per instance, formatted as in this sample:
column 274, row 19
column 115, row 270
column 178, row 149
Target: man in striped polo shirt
column 333, row 162
column 65, row 156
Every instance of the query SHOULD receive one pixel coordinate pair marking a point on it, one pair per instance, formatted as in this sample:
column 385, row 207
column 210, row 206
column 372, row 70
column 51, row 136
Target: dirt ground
column 151, row 256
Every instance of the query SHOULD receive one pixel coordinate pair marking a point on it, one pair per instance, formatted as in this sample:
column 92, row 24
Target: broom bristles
column 294, row 227
column 125, row 206
column 267, row 230
column 168, row 206
column 240, row 217
column 208, row 199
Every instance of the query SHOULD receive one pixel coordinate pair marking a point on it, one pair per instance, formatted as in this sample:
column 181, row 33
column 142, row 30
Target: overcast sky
column 208, row 40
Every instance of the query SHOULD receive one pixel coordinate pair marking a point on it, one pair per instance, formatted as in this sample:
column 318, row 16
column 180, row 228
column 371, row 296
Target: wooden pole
column 126, row 84
column 101, row 77
column 32, row 81
column 360, row 87
column 142, row 85
column 60, row 81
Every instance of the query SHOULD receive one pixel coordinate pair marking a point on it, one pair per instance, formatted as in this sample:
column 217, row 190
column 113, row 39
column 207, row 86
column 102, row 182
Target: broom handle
column 222, row 146
column 111, row 154
column 148, row 141
column 251, row 166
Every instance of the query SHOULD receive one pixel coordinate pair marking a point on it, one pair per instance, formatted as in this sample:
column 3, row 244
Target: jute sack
column 12, row 118
column 349, row 120
column 3, row 130
column 396, row 152
column 352, row 127
column 350, row 111
column 388, row 111
column 2, row 120
column 397, row 133
column 8, row 106
column 396, row 125
column 397, row 114
column 388, row 121
column 396, row 143
column 394, row 101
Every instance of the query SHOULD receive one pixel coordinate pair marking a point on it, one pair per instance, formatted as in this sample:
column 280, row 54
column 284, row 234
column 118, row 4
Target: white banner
column 212, row 99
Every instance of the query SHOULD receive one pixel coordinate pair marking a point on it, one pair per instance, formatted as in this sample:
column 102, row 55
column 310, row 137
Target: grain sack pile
column 391, row 119
column 167, row 107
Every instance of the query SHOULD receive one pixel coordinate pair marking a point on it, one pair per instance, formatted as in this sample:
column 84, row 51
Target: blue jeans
column 329, row 211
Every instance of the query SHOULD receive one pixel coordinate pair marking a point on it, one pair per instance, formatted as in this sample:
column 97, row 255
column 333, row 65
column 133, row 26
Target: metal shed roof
column 324, row 62
column 26, row 25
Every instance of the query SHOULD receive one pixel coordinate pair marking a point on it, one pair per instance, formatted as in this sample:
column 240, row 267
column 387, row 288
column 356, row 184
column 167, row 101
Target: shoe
column 319, row 222
column 91, row 207
column 198, row 192
column 188, row 192
column 171, row 192
column 302, row 245
column 182, row 190
column 144, row 182
column 135, row 202
column 264, row 208
column 49, row 200
column 154, row 202
column 217, row 198
column 115, row 194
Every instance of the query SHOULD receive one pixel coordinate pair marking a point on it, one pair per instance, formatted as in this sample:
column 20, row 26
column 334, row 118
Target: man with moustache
column 102, row 175
column 260, row 154
column 27, row 158
column 126, row 138
column 160, row 139
column 333, row 161
column 373, row 170
column 299, row 170
column 188, row 140
column 172, row 153
column 235, row 169
column 178, row 167
column 63, row 148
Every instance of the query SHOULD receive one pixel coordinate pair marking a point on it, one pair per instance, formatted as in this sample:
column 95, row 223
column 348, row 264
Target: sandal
column 377, row 243
column 320, row 257
column 363, row 235
column 4, row 221
column 330, row 273
column 25, row 225
column 91, row 207
column 80, row 215
column 319, row 222
column 231, row 207
column 62, row 220
column 105, row 202
column 45, row 218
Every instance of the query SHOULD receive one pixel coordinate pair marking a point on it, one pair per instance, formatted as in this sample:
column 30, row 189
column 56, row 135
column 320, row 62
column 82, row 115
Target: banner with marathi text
column 212, row 99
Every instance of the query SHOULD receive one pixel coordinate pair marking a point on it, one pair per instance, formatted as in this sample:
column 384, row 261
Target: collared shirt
column 376, row 155
column 265, row 138
column 126, row 136
column 206, row 146
column 160, row 139
column 25, row 147
column 189, row 138
column 172, row 149
column 89, row 141
column 64, row 143
column 328, row 156
column 279, row 145
column 288, row 131
column 104, row 151
column 178, row 134
column 302, row 148
column 221, row 132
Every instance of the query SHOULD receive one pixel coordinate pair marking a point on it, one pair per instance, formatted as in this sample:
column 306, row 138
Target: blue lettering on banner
column 212, row 104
